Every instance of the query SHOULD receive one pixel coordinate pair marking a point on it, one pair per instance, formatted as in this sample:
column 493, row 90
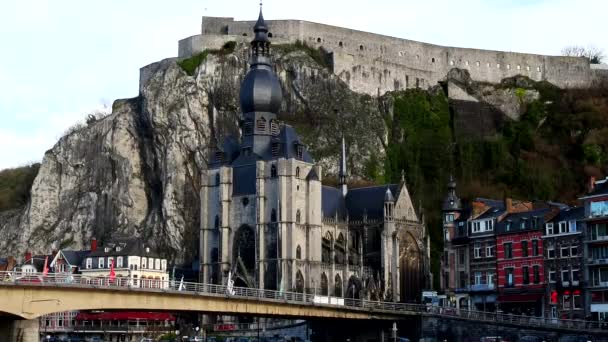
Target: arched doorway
column 354, row 288
column 243, row 256
column 299, row 282
column 410, row 263
column 324, row 289
column 338, row 286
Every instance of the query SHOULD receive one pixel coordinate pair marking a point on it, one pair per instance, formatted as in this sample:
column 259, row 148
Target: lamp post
column 196, row 335
column 176, row 335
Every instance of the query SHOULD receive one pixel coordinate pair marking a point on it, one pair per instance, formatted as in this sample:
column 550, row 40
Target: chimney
column 93, row 244
column 508, row 204
column 28, row 256
column 591, row 184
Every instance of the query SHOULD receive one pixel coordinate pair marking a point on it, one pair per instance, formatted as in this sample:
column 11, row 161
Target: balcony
column 482, row 287
column 593, row 261
column 599, row 238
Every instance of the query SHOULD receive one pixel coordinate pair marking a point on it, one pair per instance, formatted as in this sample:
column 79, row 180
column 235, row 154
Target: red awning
column 125, row 316
column 519, row 298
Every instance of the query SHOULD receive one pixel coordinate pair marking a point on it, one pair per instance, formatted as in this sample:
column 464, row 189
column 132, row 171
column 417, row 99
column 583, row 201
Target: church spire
column 342, row 174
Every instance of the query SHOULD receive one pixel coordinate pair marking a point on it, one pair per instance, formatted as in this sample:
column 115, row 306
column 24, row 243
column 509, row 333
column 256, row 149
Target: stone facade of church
column 268, row 222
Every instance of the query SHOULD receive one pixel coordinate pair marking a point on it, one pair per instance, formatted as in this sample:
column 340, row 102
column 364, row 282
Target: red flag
column 45, row 270
column 112, row 273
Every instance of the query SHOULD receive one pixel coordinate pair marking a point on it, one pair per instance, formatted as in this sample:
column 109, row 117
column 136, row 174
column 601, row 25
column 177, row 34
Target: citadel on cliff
column 374, row 64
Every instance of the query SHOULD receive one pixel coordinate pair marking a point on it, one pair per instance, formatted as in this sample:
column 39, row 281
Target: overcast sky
column 61, row 59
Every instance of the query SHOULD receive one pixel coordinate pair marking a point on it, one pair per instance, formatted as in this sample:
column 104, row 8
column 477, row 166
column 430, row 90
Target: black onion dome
column 261, row 90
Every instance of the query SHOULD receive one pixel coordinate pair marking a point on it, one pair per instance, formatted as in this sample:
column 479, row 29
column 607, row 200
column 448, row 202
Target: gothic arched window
column 297, row 172
column 326, row 248
column 338, row 286
column 298, row 216
column 273, row 215
column 324, row 287
column 273, row 171
column 298, row 252
column 299, row 282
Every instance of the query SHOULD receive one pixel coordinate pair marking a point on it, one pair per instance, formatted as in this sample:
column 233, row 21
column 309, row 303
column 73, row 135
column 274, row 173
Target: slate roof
column 492, row 212
column 129, row 246
column 368, row 200
column 516, row 218
column 569, row 214
column 600, row 188
column 491, row 202
column 332, row 202
column 74, row 258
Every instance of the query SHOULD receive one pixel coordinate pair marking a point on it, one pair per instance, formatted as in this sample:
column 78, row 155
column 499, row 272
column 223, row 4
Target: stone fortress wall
column 374, row 64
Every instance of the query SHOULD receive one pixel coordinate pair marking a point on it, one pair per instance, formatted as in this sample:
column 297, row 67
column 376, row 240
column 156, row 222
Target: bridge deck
column 35, row 295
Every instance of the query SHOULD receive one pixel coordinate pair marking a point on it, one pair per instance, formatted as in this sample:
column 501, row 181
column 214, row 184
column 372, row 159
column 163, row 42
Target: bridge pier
column 19, row 330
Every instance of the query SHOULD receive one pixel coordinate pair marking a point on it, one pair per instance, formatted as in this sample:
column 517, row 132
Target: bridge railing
column 79, row 280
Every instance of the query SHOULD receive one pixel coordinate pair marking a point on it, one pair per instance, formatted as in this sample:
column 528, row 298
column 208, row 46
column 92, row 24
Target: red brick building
column 519, row 247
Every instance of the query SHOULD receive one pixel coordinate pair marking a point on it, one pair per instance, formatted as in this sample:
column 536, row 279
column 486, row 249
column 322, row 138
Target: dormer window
column 100, row 263
column 118, row 248
column 299, row 150
column 508, row 226
column 107, row 249
column 88, row 263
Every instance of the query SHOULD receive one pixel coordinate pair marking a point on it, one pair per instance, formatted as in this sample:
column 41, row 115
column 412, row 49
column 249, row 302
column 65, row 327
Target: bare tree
column 594, row 54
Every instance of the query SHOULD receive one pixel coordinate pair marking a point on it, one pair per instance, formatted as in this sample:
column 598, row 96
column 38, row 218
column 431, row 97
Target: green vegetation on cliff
column 15, row 185
column 548, row 154
column 190, row 64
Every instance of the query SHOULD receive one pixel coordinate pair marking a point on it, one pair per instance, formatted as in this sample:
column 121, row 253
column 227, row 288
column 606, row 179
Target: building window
column 273, row 171
column 119, row 262
column 89, row 263
column 526, row 274
column 508, row 226
column 490, row 225
column 297, row 172
column 449, row 218
column 110, row 260
column 522, row 224
column 461, row 256
column 509, row 277
column 524, row 248
column 565, row 252
column 477, row 251
column 549, row 228
column 563, row 228
column 535, row 248
column 274, row 127
column 100, row 263
column 477, row 278
column 489, row 251
column 217, row 179
column 273, row 215
column 566, row 301
column 552, row 276
column 144, row 262
column 157, row 264
column 164, row 265
column 298, row 252
column 575, row 276
column 508, row 246
column 536, row 269
column 476, row 227
column 490, row 278
column 298, row 216
column 550, row 253
column 216, row 223
column 574, row 251
column 577, row 301
column 565, row 276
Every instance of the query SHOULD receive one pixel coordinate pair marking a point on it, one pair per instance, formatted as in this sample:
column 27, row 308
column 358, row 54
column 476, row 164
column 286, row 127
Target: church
column 268, row 222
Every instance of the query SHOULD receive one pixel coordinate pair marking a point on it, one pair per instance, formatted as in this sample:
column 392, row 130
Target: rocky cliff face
column 137, row 171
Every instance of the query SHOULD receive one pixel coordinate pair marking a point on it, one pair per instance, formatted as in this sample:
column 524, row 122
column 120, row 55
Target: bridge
column 31, row 296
